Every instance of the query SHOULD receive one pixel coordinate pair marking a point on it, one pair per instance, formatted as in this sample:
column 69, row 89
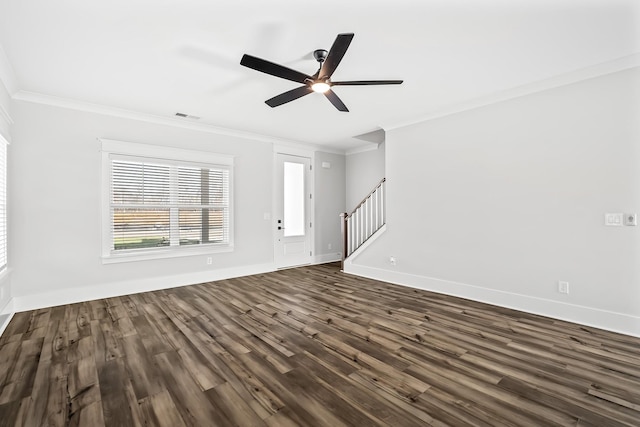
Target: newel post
column 343, row 229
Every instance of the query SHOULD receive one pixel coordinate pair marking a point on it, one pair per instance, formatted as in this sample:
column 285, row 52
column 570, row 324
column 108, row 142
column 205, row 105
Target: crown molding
column 597, row 70
column 331, row 150
column 370, row 147
column 88, row 107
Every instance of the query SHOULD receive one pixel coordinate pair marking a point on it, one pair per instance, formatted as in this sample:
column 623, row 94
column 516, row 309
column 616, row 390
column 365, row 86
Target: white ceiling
column 166, row 56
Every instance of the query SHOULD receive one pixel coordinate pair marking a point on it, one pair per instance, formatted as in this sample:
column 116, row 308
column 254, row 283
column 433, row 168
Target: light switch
column 613, row 219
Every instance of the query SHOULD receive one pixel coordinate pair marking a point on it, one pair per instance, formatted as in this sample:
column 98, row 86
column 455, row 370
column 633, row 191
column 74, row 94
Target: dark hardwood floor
column 312, row 347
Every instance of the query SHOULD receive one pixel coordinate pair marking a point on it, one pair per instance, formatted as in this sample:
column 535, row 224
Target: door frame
column 297, row 152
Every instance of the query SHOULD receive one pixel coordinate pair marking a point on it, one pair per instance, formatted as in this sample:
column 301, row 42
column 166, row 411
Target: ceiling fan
column 319, row 82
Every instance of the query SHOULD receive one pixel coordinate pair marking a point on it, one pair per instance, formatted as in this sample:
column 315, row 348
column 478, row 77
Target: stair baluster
column 364, row 221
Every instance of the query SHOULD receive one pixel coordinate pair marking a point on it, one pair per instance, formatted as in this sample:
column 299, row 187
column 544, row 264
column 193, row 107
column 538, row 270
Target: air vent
column 187, row 116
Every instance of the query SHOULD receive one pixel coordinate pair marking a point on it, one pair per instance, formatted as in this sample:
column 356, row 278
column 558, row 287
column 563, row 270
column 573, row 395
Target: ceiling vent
column 187, row 116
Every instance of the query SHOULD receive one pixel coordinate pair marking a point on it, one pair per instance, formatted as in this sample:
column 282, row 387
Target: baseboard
column 8, row 308
column 4, row 321
column 325, row 258
column 6, row 314
column 115, row 289
column 602, row 319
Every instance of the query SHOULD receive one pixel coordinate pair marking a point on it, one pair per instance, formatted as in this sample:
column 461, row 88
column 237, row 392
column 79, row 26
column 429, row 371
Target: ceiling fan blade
column 337, row 51
column 367, row 82
column 337, row 102
column 277, row 70
column 289, row 96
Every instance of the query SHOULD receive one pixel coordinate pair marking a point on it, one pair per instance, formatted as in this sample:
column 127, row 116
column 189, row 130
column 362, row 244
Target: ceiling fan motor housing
column 320, row 55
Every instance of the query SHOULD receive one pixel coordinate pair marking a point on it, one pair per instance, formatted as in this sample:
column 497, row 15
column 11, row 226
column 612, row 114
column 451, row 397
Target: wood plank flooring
column 310, row 347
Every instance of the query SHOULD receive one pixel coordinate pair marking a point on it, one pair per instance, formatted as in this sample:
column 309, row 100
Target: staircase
column 363, row 222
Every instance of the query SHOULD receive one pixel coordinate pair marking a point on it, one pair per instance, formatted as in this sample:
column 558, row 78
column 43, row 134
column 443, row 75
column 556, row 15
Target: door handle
column 280, row 228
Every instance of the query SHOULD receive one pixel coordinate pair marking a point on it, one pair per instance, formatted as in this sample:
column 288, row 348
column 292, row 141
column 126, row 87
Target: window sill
column 164, row 254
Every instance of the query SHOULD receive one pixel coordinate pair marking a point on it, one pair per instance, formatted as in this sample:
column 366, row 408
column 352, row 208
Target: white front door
column 292, row 211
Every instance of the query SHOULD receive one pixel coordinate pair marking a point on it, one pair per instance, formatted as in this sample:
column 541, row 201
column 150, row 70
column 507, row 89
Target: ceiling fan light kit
column 320, row 82
column 320, row 87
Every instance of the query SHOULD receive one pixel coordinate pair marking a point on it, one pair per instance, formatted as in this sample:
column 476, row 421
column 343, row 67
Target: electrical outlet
column 329, row 246
column 393, row 261
column 563, row 287
column 209, row 260
column 630, row 219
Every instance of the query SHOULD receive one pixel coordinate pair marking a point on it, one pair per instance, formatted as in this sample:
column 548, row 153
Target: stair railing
column 367, row 218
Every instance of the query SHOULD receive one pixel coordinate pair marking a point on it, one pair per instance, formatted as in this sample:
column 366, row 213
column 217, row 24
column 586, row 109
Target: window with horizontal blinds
column 203, row 198
column 158, row 203
column 3, row 204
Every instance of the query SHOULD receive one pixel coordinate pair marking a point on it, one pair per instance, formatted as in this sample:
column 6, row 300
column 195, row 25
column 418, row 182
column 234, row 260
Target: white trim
column 298, row 150
column 128, row 287
column 307, row 155
column 164, row 152
column 6, row 322
column 77, row 105
column 615, row 322
column 369, row 147
column 7, row 310
column 105, row 207
column 111, row 148
column 609, row 67
column 7, row 73
column 4, row 115
column 4, row 222
column 165, row 253
column 324, row 149
column 8, row 307
column 325, row 258
column 375, row 236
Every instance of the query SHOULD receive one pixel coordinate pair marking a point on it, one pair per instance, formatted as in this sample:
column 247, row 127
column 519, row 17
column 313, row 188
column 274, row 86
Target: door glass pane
column 294, row 199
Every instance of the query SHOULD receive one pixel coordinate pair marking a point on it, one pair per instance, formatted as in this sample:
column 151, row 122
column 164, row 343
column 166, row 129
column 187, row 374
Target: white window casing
column 163, row 202
column 3, row 204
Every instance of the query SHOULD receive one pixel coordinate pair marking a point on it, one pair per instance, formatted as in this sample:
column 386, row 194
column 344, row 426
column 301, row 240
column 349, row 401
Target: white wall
column 329, row 204
column 5, row 113
column 55, row 186
column 365, row 169
column 501, row 202
column 55, row 183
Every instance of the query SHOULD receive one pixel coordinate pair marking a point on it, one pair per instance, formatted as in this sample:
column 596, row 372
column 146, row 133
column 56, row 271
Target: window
column 294, row 199
column 3, row 204
column 158, row 206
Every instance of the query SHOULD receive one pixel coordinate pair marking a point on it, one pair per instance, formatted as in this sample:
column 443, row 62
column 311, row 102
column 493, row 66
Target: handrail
column 367, row 197
column 364, row 221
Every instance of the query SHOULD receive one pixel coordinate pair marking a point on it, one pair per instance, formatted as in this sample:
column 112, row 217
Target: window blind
column 156, row 203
